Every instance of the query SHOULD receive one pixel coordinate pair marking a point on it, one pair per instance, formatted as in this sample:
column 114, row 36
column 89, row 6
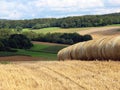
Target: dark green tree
column 19, row 41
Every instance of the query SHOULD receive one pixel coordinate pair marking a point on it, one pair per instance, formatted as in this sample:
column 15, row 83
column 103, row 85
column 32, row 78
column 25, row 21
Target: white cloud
column 15, row 15
column 18, row 9
column 114, row 2
column 68, row 5
column 11, row 10
column 106, row 10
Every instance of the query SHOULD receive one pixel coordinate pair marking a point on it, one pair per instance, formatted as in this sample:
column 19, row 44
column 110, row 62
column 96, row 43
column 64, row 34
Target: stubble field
column 63, row 75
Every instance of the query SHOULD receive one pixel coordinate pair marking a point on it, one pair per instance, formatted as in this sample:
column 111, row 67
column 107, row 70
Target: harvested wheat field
column 98, row 32
column 67, row 75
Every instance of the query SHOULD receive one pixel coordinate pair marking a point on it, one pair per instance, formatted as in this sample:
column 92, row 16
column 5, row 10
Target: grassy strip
column 37, row 54
column 46, row 49
column 48, row 52
column 55, row 29
column 6, row 53
column 114, row 25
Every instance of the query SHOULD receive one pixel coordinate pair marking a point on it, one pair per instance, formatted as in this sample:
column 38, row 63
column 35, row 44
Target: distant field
column 67, row 75
column 96, row 32
column 45, row 51
column 67, row 30
column 56, row 29
column 114, row 25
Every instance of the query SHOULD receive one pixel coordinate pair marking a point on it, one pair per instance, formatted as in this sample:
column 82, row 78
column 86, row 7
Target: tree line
column 68, row 22
column 15, row 41
column 62, row 38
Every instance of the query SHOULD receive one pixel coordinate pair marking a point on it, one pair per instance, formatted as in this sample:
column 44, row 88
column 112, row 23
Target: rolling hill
column 96, row 32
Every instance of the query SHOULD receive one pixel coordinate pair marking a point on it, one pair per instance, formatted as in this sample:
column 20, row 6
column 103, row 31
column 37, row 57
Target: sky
column 30, row 9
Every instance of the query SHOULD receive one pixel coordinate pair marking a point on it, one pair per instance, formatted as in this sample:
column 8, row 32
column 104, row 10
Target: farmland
column 67, row 75
column 96, row 32
column 44, row 51
column 26, row 63
column 67, row 30
column 48, row 51
column 64, row 30
column 56, row 29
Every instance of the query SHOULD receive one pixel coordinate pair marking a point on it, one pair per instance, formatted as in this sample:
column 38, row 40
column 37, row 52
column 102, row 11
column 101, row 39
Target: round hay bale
column 80, row 52
column 116, row 48
column 102, row 49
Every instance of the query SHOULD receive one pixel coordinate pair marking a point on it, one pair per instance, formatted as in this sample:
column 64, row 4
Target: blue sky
column 29, row 9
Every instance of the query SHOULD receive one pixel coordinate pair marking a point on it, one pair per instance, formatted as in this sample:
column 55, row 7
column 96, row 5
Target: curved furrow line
column 89, row 71
column 42, row 71
column 77, row 74
column 66, row 77
column 97, row 74
column 86, row 74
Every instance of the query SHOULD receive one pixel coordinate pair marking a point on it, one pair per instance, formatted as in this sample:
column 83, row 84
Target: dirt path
column 20, row 58
column 47, row 43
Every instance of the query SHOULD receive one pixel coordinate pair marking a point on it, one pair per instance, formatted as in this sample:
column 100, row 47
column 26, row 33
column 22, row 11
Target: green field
column 114, row 25
column 53, row 49
column 63, row 30
column 47, row 52
column 56, row 29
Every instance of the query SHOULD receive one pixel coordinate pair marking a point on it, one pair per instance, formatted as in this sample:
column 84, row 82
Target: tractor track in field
column 66, row 77
column 72, row 79
column 45, row 71
column 58, row 77
column 89, row 72
column 95, row 75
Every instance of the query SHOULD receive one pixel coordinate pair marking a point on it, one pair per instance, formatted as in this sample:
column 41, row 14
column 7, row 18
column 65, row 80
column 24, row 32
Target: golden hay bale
column 89, row 47
column 74, row 51
column 101, row 49
column 116, row 48
column 64, row 54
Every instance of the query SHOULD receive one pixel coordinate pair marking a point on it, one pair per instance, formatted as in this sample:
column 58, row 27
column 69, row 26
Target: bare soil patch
column 47, row 43
column 20, row 58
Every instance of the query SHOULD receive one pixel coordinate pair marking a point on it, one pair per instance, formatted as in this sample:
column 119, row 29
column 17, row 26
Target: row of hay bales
column 101, row 49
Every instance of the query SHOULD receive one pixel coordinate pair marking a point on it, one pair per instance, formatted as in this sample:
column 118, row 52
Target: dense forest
column 68, row 22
